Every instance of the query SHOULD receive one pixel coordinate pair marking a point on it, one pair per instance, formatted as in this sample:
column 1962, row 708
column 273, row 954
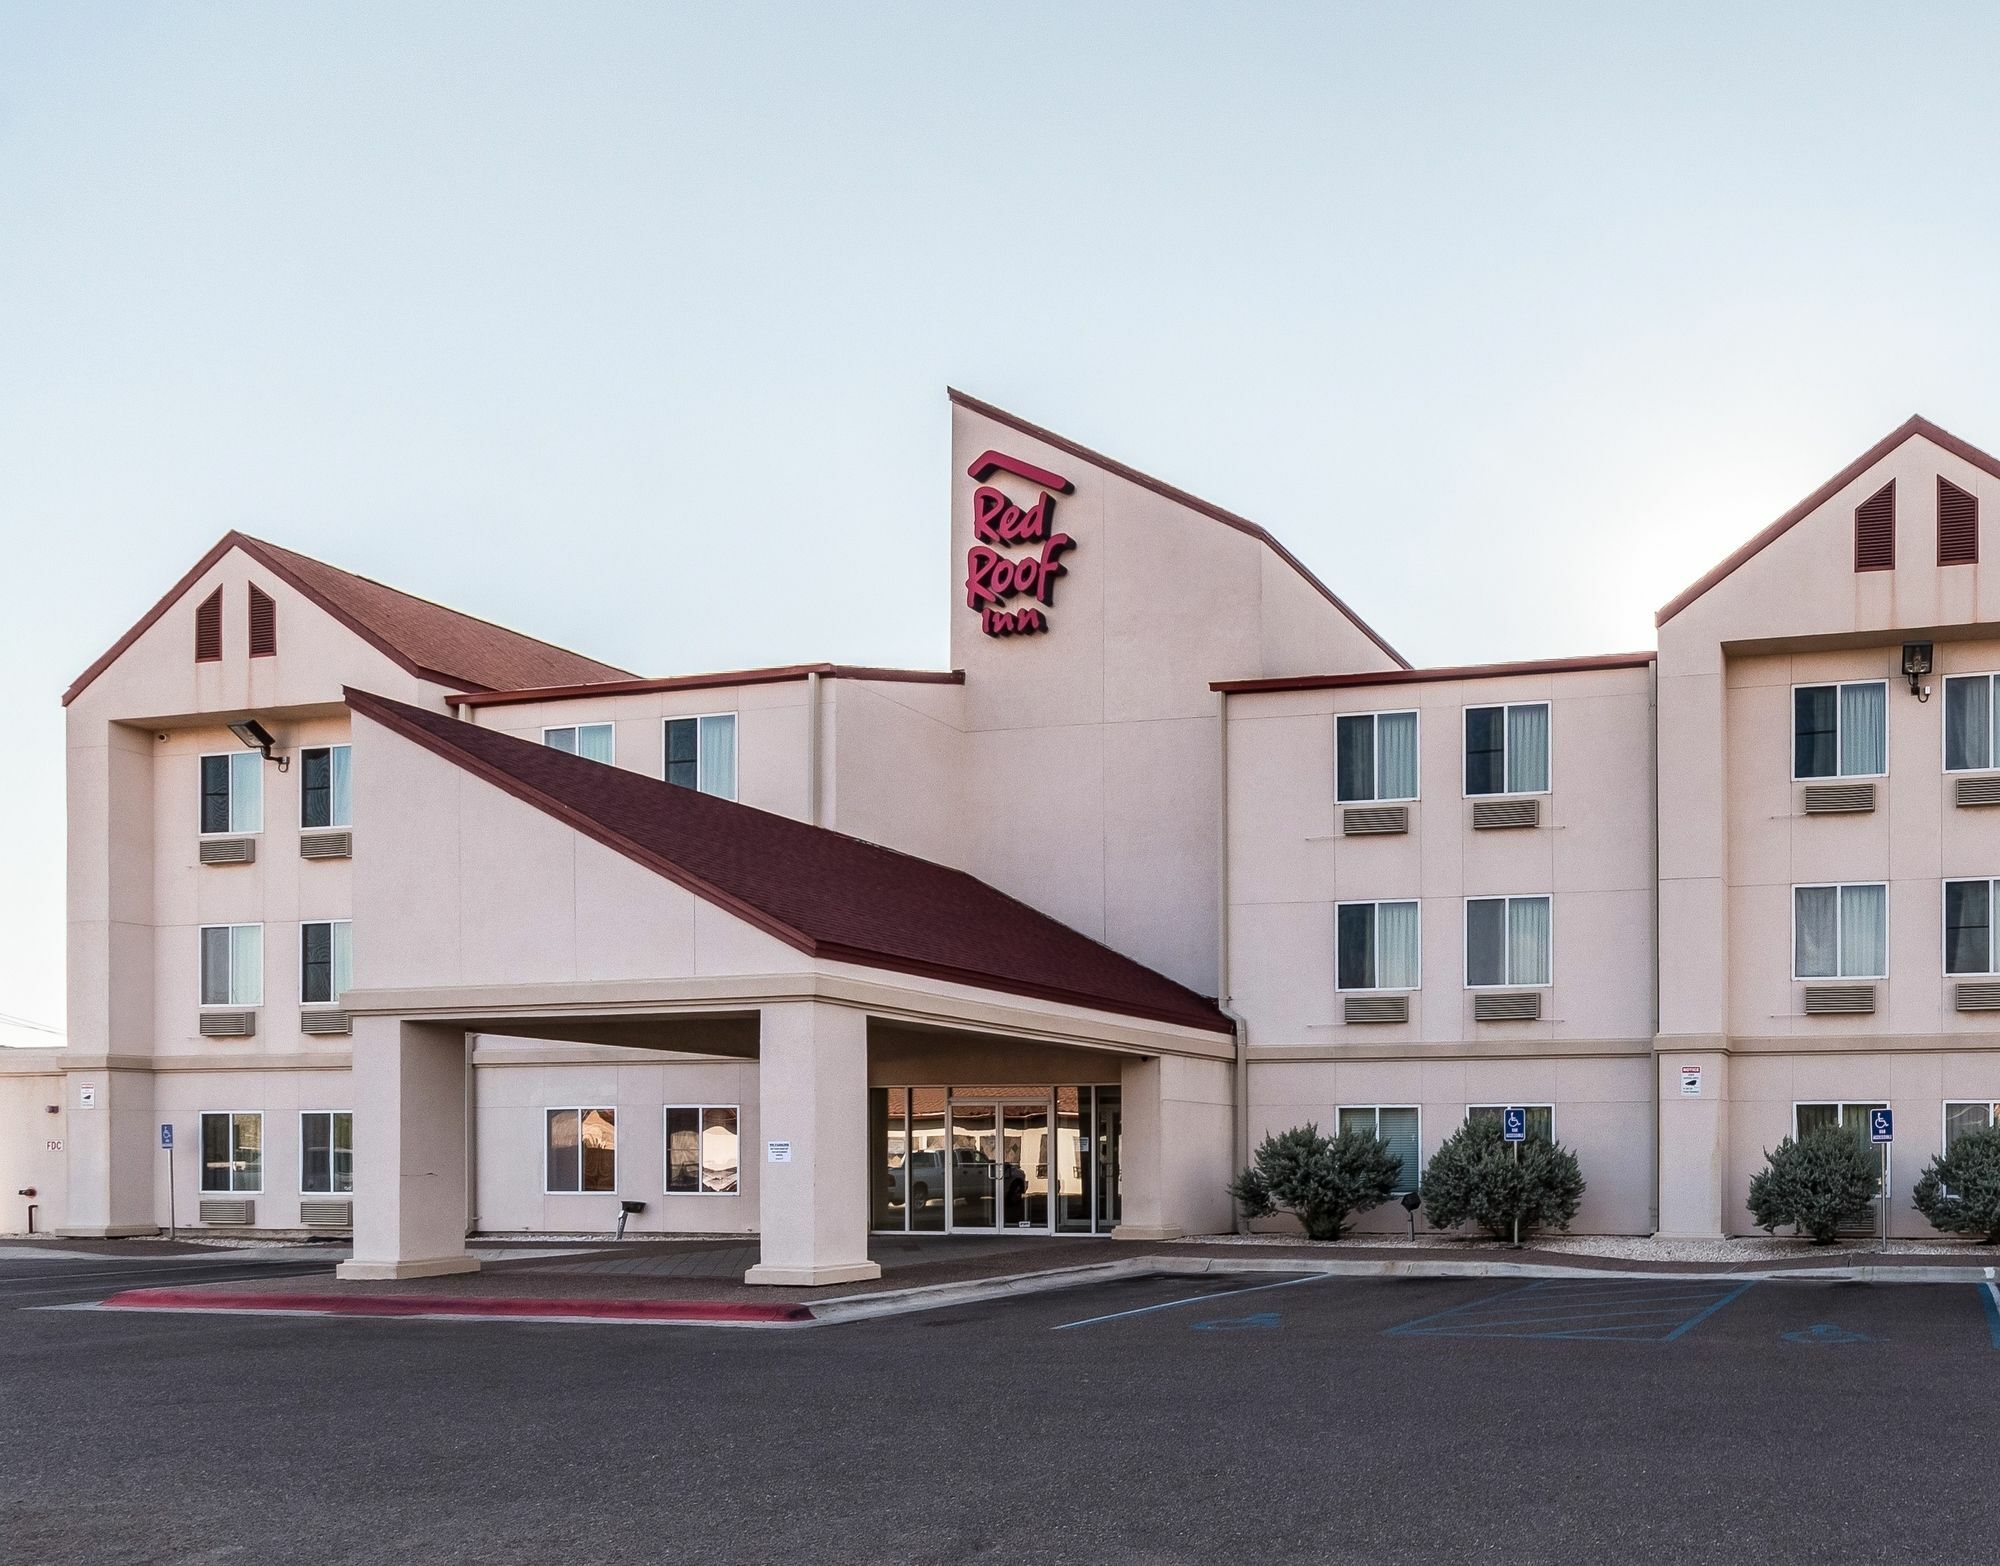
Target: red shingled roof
column 827, row 894
column 429, row 640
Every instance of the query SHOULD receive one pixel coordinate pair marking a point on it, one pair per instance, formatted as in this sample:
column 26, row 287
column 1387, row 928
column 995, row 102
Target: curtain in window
column 343, row 958
column 215, row 965
column 1968, row 723
column 719, row 1157
column 1968, row 927
column 1396, row 755
column 1396, row 946
column 1864, row 932
column 1528, row 940
column 593, row 741
column 1485, row 742
column 1398, row 1130
column 1528, row 749
column 718, row 756
column 215, row 793
column 1354, row 758
column 563, row 1159
column 681, row 766
column 561, row 739
column 1486, row 940
column 343, row 1152
column 246, row 791
column 1815, row 932
column 1961, row 1118
column 1864, row 730
column 1354, row 946
column 341, row 758
column 246, row 965
column 1814, row 726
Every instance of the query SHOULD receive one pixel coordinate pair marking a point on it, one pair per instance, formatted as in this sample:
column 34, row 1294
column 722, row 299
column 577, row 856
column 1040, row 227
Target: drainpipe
column 470, row 1109
column 812, row 748
column 1240, row 1078
column 1653, row 732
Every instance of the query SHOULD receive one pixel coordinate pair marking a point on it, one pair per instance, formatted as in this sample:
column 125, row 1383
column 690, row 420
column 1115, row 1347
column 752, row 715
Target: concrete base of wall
column 430, row 1267
column 809, row 1277
column 1141, row 1231
column 116, row 1231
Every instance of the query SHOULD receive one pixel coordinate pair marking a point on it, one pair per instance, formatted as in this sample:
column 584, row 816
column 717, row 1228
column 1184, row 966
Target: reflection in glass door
column 974, row 1162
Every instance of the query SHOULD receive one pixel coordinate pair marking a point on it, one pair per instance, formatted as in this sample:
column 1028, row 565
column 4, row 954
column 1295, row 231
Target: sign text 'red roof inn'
column 993, row 578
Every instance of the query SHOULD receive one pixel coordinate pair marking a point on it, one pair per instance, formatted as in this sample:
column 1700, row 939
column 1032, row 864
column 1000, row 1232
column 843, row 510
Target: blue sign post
column 167, row 1138
column 1514, row 1125
column 1882, row 1131
column 167, row 1147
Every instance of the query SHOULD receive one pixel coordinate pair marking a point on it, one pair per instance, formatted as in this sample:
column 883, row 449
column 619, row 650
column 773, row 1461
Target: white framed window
column 1961, row 1117
column 1851, row 1118
column 592, row 741
column 1840, row 731
column 1970, row 714
column 232, row 793
column 1508, row 943
column 326, row 1152
column 1376, row 946
column 582, row 1150
column 701, row 753
column 1840, row 931
column 326, row 789
column 1507, row 748
column 326, row 960
column 703, row 1156
column 1541, row 1118
column 232, row 965
column 232, row 1151
column 1375, row 756
column 1397, row 1127
column 1968, row 927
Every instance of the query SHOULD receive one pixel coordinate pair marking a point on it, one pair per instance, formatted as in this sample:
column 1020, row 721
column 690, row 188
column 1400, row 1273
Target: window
column 1969, row 711
column 1396, row 1129
column 1840, row 932
column 1961, row 1118
column 232, row 965
column 582, row 1150
column 592, row 741
column 701, row 753
column 232, row 1152
column 326, row 789
column 1506, row 941
column 1375, row 756
column 1507, row 749
column 1968, row 927
column 1375, row 946
column 702, row 1155
column 1541, row 1118
column 326, row 1152
column 326, row 961
column 1851, row 1118
column 232, row 792
column 1840, row 731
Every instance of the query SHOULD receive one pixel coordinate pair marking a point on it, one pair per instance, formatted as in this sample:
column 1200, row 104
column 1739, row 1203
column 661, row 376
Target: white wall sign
column 1690, row 1082
column 86, row 1098
column 778, row 1152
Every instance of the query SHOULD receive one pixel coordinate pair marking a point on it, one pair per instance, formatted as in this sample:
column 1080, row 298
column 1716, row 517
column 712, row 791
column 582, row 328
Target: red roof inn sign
column 994, row 579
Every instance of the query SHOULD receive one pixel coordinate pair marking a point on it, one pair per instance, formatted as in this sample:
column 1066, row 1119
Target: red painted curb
column 456, row 1305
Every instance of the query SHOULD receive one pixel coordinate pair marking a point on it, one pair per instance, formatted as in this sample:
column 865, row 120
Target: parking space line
column 1694, row 1321
column 1552, row 1309
column 1989, row 1296
column 1192, row 1299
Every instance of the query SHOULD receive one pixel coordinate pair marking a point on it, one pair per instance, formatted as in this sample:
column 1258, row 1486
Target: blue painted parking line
column 1615, row 1310
column 1989, row 1296
column 1192, row 1299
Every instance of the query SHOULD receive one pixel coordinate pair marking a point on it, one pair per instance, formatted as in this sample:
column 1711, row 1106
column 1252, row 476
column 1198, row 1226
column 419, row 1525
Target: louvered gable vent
column 263, row 623
column 1958, row 525
column 1875, row 530
column 208, row 629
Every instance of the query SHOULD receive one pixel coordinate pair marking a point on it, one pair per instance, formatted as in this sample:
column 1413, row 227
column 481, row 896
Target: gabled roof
column 1915, row 425
column 1179, row 497
column 429, row 640
column 827, row 894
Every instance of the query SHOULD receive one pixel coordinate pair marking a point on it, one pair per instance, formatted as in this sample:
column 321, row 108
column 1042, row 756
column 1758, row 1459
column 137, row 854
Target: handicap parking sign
column 167, row 1136
column 1881, row 1125
column 1514, row 1125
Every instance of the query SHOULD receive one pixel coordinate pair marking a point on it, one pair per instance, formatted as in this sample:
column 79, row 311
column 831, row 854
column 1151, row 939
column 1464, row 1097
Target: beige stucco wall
column 32, row 1143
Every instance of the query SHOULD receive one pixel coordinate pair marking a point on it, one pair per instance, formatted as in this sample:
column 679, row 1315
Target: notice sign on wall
column 1690, row 1082
column 86, row 1098
column 778, row 1152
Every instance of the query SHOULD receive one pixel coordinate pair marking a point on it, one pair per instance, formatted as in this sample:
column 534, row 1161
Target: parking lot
column 1272, row 1418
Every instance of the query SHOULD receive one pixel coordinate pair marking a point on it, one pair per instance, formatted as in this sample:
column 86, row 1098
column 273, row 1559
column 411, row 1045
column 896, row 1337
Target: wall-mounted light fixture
column 258, row 738
column 1917, row 664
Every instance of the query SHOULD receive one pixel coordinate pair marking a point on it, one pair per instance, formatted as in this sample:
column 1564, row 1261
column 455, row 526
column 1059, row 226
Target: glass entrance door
column 999, row 1166
column 973, row 1166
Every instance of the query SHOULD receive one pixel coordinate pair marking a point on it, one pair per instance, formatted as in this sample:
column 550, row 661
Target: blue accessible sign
column 1881, row 1125
column 1514, row 1125
column 167, row 1137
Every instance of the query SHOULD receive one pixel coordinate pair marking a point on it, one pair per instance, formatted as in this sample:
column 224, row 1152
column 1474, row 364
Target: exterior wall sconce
column 1917, row 664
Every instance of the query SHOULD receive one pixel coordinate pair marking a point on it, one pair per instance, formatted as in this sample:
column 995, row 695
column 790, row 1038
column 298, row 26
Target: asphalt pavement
column 1143, row 1421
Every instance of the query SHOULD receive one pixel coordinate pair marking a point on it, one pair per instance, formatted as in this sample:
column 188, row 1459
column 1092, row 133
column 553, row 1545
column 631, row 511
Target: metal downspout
column 812, row 749
column 1240, row 1079
column 1653, row 702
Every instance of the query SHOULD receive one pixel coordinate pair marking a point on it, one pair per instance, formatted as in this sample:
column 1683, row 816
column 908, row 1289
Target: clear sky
column 630, row 325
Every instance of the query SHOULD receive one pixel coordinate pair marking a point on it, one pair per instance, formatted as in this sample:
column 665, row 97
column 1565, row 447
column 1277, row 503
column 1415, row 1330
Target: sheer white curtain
column 1396, row 755
column 1968, row 723
column 593, row 741
column 246, row 965
column 246, row 791
column 1816, row 932
column 718, row 756
column 1397, row 1129
column 1528, row 748
column 343, row 958
column 340, row 785
column 1864, row 932
column 1396, row 946
column 1864, row 730
column 1527, row 940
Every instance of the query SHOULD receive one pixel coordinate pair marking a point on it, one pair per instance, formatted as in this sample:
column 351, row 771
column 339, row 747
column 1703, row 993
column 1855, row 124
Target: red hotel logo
column 992, row 578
